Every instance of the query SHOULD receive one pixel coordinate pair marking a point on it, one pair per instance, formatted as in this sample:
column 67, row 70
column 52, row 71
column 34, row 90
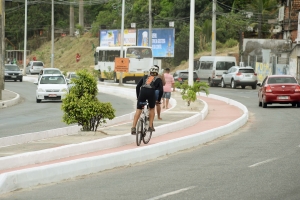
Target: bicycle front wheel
column 139, row 132
column 146, row 134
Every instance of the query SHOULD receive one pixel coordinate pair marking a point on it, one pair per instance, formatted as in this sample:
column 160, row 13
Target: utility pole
column 71, row 19
column 150, row 24
column 2, row 39
column 213, row 32
column 81, row 21
column 191, row 45
column 52, row 35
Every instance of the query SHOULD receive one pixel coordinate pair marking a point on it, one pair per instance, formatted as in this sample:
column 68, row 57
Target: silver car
column 239, row 76
column 34, row 67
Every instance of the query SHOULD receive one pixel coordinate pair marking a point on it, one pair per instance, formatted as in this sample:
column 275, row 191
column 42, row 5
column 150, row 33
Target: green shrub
column 219, row 45
column 109, row 74
column 81, row 105
column 189, row 92
column 231, row 43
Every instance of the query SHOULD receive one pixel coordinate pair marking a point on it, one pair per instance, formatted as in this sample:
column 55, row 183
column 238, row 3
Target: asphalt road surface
column 29, row 116
column 259, row 161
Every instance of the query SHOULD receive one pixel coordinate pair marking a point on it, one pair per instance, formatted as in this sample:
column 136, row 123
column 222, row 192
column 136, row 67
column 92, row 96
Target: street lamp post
column 2, row 38
column 191, row 49
column 122, row 39
column 52, row 35
column 25, row 41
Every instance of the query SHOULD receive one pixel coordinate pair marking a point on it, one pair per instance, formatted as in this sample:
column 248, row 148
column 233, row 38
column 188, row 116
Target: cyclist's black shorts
column 146, row 94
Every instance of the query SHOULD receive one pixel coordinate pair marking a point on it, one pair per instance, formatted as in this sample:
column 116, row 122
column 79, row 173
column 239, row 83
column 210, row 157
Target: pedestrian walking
column 169, row 79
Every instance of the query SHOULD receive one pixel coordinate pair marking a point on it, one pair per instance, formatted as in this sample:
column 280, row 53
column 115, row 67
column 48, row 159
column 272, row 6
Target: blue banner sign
column 163, row 40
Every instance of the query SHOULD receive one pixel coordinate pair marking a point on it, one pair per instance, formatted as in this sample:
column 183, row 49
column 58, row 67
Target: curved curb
column 60, row 171
column 10, row 102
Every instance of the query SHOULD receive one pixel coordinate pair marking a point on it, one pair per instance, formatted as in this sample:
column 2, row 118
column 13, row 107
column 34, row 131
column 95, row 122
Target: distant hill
column 66, row 48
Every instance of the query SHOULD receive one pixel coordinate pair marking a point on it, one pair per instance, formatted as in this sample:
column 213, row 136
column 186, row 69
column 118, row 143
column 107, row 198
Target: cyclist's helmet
column 153, row 70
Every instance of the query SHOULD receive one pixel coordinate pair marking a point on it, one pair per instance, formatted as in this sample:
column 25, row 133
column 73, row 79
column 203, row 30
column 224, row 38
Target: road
column 258, row 161
column 29, row 116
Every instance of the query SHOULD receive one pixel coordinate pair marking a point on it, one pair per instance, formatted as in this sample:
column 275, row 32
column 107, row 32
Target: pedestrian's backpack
column 149, row 83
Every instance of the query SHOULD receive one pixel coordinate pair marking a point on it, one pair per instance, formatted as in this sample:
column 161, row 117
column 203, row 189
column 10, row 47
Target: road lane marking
column 172, row 193
column 263, row 162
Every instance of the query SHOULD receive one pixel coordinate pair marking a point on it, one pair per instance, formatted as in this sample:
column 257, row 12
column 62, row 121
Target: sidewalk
column 181, row 128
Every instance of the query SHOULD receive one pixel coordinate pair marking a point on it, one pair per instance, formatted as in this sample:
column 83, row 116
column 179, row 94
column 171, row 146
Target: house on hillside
column 281, row 54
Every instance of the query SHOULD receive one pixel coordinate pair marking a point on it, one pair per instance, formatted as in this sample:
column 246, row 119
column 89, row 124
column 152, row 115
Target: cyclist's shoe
column 151, row 129
column 133, row 131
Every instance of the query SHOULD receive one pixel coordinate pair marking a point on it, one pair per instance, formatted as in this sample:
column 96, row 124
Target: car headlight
column 6, row 73
column 64, row 90
column 41, row 90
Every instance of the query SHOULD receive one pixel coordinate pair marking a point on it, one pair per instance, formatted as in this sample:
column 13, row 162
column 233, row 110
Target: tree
column 82, row 106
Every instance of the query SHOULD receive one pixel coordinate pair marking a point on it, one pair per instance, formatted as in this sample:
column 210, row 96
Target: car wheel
column 15, row 80
column 243, row 87
column 38, row 100
column 210, row 83
column 293, row 104
column 253, row 87
column 298, row 104
column 233, row 85
column 264, row 104
column 223, row 85
column 259, row 103
column 21, row 80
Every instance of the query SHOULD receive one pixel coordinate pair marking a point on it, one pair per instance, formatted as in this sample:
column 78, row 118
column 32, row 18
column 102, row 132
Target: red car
column 282, row 89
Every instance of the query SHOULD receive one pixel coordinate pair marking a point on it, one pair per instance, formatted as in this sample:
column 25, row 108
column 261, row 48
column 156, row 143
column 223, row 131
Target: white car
column 51, row 87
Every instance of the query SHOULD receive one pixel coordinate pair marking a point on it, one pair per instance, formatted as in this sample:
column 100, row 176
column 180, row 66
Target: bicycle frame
column 143, row 126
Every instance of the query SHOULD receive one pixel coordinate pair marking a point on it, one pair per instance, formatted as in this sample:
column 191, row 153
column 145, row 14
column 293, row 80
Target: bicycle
column 142, row 132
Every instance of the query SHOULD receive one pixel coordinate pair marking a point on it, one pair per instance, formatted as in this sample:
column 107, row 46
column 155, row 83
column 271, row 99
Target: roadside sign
column 121, row 64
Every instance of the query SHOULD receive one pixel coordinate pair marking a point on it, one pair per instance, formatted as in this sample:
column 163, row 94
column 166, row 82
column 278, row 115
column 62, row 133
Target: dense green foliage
column 231, row 20
column 82, row 106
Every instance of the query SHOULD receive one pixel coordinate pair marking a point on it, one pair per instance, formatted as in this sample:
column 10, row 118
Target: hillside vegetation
column 66, row 48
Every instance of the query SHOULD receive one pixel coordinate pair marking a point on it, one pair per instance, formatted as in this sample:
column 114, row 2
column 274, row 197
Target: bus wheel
column 100, row 75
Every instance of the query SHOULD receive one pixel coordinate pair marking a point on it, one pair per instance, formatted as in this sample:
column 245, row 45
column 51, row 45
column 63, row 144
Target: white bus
column 140, row 61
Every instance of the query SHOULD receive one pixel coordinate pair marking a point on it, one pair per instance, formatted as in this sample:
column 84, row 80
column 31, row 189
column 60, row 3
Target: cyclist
column 145, row 90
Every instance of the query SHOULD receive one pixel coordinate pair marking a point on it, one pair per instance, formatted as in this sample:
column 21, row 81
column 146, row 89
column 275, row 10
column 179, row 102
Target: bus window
column 139, row 53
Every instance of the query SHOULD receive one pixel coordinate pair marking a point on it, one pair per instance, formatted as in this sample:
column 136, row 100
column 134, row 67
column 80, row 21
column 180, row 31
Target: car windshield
column 52, row 72
column 73, row 76
column 280, row 80
column 246, row 71
column 12, row 68
column 52, row 80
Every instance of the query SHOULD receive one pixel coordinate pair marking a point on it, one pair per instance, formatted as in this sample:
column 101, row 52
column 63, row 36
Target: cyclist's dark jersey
column 144, row 94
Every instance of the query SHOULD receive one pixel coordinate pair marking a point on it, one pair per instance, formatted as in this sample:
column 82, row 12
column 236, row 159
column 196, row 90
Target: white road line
column 172, row 193
column 263, row 162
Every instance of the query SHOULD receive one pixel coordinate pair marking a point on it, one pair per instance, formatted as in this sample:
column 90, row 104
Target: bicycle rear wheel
column 139, row 132
column 146, row 134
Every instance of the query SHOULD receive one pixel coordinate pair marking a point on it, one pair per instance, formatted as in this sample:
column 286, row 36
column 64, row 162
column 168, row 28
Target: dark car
column 13, row 72
column 281, row 89
column 183, row 75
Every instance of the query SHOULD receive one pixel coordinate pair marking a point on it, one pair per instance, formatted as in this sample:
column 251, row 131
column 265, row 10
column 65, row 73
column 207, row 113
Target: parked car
column 51, row 87
column 282, row 89
column 34, row 67
column 183, row 75
column 49, row 71
column 13, row 72
column 239, row 76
